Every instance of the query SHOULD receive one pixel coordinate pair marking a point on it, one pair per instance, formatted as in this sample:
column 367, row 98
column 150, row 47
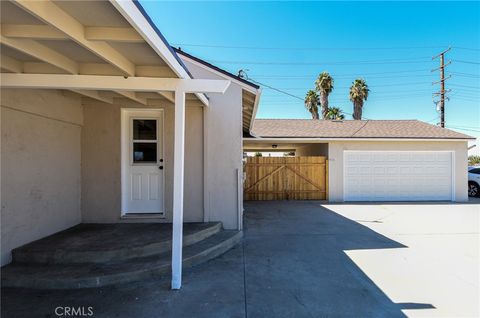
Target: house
column 374, row 160
column 103, row 122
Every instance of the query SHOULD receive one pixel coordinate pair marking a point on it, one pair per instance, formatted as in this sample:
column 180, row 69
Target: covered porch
column 67, row 78
column 95, row 255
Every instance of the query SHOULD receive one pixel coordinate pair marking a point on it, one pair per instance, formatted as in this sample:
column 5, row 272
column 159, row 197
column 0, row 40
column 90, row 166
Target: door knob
column 160, row 167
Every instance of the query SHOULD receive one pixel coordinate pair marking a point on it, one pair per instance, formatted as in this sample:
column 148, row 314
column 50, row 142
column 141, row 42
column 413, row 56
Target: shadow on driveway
column 296, row 265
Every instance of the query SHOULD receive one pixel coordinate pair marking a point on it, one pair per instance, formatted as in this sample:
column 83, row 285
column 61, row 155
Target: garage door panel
column 397, row 176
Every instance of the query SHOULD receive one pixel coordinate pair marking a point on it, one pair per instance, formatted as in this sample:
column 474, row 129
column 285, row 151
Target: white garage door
column 397, row 175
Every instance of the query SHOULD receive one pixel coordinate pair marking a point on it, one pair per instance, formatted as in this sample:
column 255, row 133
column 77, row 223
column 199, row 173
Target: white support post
column 178, row 171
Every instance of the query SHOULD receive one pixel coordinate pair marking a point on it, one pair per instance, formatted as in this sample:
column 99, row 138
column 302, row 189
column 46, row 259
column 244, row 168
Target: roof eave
column 251, row 87
column 136, row 15
column 306, row 139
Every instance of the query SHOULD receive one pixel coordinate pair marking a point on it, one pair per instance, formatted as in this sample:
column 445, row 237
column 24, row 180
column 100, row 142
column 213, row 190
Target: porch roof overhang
column 104, row 50
column 95, row 38
column 112, row 83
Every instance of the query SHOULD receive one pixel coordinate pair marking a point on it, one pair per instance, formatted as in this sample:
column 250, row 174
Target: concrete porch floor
column 307, row 259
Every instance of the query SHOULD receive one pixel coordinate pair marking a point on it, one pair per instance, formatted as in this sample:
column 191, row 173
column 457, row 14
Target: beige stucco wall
column 40, row 165
column 312, row 150
column 101, row 162
column 335, row 157
column 223, row 152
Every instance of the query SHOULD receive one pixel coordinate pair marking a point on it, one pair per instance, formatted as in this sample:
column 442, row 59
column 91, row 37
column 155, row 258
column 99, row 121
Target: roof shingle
column 309, row 128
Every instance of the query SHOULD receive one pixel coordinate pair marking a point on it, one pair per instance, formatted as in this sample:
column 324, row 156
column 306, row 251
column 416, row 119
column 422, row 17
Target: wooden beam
column 178, row 189
column 10, row 64
column 34, row 32
column 51, row 14
column 41, row 68
column 99, row 69
column 16, row 66
column 140, row 70
column 132, row 96
column 154, row 71
column 110, row 34
column 47, row 32
column 246, row 98
column 113, row 83
column 170, row 96
column 41, row 52
column 95, row 95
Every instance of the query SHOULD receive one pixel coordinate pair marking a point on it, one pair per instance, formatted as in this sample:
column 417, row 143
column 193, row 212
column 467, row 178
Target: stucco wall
column 101, row 162
column 40, row 165
column 223, row 151
column 335, row 156
column 101, row 173
column 312, row 150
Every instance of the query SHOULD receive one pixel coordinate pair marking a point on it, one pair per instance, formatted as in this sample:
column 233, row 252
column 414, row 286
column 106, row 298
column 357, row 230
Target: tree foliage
column 324, row 86
column 358, row 94
column 311, row 103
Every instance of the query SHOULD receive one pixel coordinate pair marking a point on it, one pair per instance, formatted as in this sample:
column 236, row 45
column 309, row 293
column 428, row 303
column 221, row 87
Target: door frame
column 125, row 114
column 452, row 173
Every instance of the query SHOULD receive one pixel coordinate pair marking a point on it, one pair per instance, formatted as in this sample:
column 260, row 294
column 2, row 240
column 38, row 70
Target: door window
column 144, row 139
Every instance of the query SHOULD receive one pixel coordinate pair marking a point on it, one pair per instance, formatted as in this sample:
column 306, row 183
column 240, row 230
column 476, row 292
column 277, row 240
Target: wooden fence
column 286, row 178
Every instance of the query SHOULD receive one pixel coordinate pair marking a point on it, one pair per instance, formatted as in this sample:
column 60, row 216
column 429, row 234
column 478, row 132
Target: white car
column 474, row 181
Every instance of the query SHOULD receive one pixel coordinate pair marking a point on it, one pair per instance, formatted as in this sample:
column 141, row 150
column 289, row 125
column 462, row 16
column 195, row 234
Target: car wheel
column 473, row 189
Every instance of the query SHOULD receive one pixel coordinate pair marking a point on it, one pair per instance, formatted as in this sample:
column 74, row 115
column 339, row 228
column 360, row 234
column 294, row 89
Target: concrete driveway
column 309, row 259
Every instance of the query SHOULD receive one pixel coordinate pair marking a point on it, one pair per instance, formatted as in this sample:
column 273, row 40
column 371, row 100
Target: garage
column 374, row 160
column 398, row 175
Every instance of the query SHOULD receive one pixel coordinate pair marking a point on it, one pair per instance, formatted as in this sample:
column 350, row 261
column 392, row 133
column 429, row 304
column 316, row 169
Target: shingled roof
column 309, row 128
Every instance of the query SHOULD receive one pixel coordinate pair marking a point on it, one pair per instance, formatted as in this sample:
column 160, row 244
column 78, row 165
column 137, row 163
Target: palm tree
column 358, row 94
column 324, row 85
column 311, row 103
column 335, row 113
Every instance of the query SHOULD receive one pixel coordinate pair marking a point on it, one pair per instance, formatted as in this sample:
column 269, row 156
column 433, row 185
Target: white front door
column 398, row 175
column 142, row 161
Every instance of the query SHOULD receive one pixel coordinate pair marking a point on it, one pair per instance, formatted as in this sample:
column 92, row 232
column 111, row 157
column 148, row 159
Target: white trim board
column 132, row 14
column 225, row 76
column 125, row 114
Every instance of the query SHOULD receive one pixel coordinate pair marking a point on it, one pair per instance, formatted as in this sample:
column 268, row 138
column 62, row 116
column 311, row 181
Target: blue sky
column 389, row 44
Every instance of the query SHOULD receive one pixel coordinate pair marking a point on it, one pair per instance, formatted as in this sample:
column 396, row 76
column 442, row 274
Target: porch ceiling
column 87, row 38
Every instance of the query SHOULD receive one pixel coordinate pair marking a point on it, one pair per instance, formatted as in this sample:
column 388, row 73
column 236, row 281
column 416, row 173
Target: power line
column 308, row 48
column 466, row 62
column 465, row 48
column 347, row 87
column 466, row 74
column 287, row 93
column 275, row 89
column 350, row 74
column 309, row 76
column 469, row 129
column 466, row 86
column 364, row 62
column 344, row 77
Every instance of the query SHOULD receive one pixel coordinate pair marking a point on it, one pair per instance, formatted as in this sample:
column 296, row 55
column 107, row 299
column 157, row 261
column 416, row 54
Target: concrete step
column 73, row 276
column 100, row 243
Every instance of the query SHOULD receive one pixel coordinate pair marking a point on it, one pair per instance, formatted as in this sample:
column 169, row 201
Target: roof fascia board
column 306, row 140
column 232, row 78
column 134, row 13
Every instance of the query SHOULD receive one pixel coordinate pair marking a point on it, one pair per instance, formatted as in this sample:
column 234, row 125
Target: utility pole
column 442, row 91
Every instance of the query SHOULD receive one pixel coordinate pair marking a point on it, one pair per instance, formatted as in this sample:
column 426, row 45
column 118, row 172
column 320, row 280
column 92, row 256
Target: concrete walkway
column 305, row 259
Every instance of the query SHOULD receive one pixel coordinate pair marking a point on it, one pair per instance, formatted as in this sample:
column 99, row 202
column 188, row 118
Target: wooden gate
column 286, row 178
